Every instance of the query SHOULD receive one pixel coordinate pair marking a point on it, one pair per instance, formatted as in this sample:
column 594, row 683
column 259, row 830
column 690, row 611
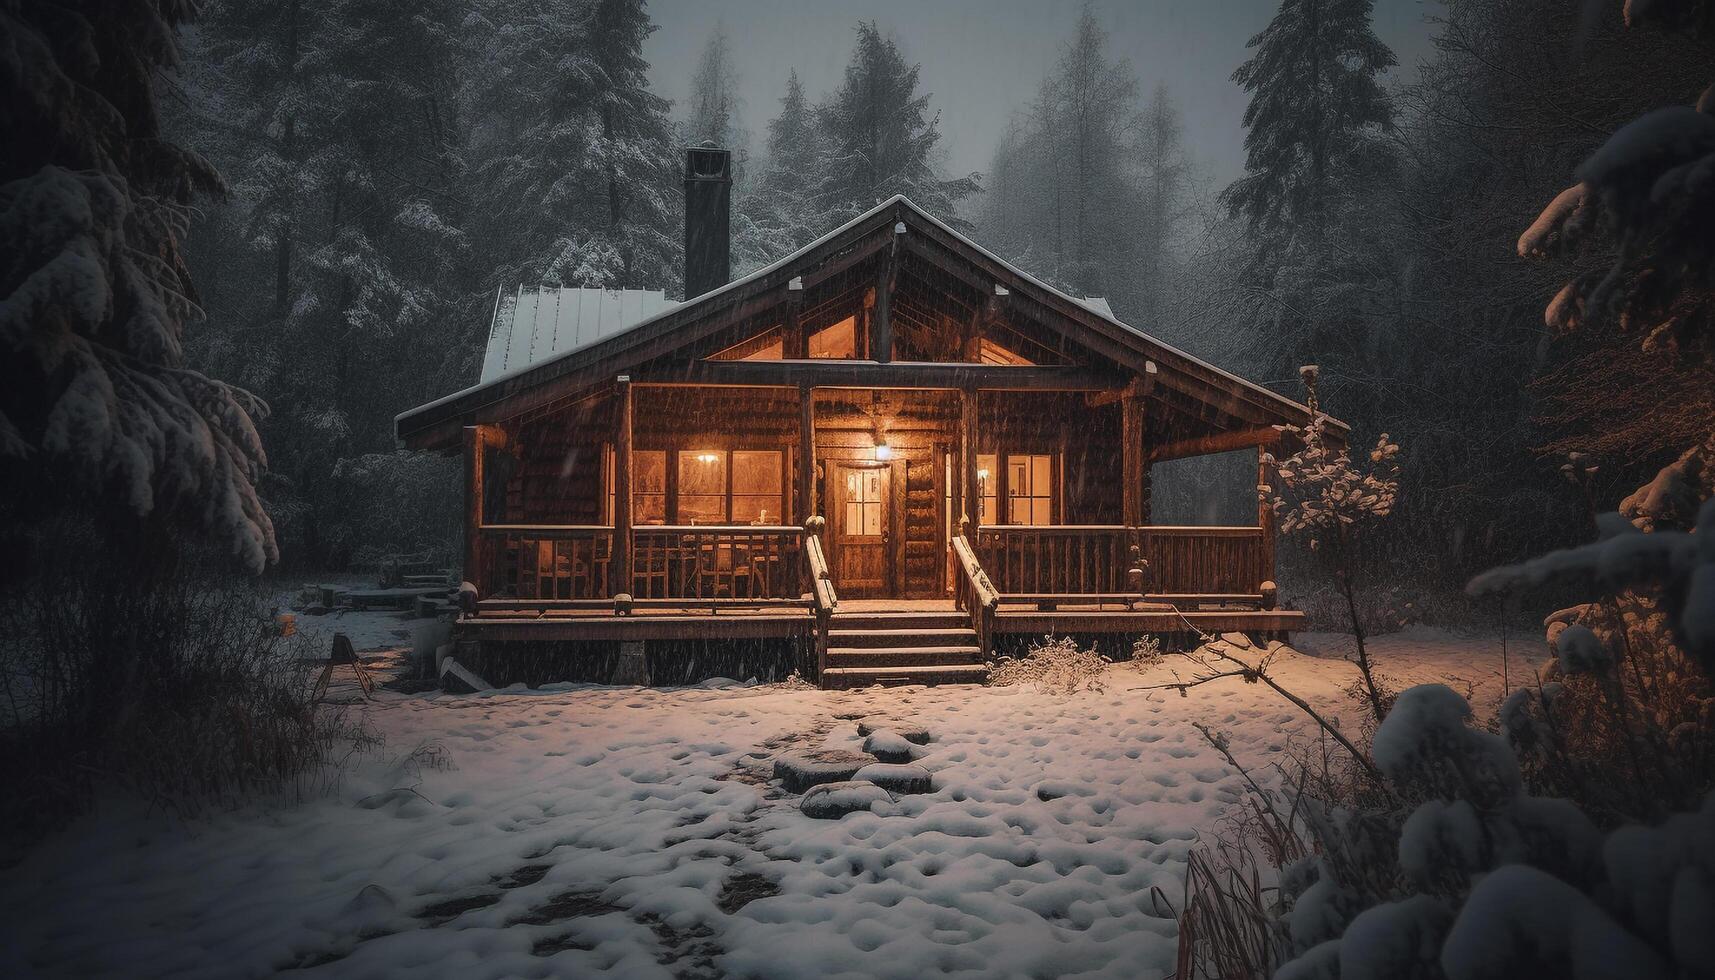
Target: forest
column 237, row 240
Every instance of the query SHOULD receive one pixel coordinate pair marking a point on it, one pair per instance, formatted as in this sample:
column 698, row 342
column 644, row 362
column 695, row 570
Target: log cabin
column 880, row 457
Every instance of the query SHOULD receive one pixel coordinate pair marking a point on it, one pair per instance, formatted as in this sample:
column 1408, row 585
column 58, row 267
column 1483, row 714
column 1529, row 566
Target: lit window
column 839, row 340
column 649, row 487
column 757, row 483
column 1030, row 489
column 863, row 502
column 988, row 482
column 702, row 487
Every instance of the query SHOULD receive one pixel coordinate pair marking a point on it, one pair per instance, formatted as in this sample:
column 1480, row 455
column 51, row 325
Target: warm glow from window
column 883, row 451
column 708, row 458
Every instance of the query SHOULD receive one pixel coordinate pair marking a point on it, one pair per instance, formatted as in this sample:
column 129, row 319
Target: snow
column 583, row 828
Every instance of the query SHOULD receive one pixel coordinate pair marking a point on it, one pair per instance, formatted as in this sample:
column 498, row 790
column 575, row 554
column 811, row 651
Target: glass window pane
column 1041, row 475
column 648, row 508
column 988, row 511
column 756, row 472
column 649, row 472
column 755, row 508
column 702, row 471
column 1039, row 511
column 1018, row 476
column 699, row 508
column 872, row 519
column 854, row 517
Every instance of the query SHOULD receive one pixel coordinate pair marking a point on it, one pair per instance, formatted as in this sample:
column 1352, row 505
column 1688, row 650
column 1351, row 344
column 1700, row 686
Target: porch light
column 982, row 474
column 708, row 458
column 883, row 451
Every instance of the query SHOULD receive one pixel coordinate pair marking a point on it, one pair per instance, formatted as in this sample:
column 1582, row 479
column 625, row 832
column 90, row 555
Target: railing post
column 622, row 571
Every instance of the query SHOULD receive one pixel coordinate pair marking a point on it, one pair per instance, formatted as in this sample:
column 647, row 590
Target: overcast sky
column 983, row 58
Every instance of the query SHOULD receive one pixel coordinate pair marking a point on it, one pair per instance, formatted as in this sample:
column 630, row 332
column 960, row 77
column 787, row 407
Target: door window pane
column 863, row 502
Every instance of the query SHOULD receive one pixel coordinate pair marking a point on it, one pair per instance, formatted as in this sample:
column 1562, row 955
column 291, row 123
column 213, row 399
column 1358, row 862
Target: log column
column 1134, row 461
column 806, row 453
column 972, row 489
column 475, row 444
column 1267, row 475
column 621, row 566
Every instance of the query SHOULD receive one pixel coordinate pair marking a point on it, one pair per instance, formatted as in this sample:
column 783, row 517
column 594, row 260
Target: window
column 839, row 340
column 757, row 482
column 863, row 502
column 739, row 487
column 648, row 487
column 702, row 487
column 1030, row 489
column 988, row 481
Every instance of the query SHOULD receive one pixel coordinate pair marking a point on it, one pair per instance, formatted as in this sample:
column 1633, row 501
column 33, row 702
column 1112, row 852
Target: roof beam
column 830, row 373
column 1220, row 443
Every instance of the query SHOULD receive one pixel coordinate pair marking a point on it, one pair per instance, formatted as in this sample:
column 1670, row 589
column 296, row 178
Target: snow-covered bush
column 1333, row 501
column 1056, row 665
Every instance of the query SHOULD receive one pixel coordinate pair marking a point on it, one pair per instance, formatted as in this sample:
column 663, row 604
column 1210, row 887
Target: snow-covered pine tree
column 712, row 104
column 1315, row 110
column 577, row 182
column 881, row 137
column 96, row 401
column 1163, row 172
column 357, row 210
column 1066, row 195
column 782, row 213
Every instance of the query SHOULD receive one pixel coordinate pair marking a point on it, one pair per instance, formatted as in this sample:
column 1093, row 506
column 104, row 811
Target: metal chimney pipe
column 708, row 218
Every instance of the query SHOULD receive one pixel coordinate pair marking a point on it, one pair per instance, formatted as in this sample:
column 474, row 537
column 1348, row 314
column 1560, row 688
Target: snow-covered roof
column 563, row 343
column 532, row 325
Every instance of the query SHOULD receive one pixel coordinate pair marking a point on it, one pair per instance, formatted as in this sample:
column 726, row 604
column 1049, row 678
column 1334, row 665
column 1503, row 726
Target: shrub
column 1054, row 665
column 153, row 676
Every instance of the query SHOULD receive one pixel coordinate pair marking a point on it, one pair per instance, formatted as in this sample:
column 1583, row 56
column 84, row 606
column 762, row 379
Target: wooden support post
column 474, row 450
column 1133, row 459
column 622, row 577
column 972, row 494
column 795, row 340
column 881, row 324
column 806, row 453
column 971, row 343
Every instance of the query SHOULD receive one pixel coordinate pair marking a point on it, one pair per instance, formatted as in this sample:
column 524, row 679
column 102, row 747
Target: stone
column 457, row 679
column 799, row 771
column 896, row 777
column 888, row 746
column 831, row 801
column 915, row 734
column 1238, row 640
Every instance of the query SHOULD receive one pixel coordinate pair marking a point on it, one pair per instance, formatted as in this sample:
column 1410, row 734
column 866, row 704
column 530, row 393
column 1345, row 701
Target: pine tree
column 881, row 138
column 1315, row 108
column 577, row 179
column 713, row 101
column 1161, row 157
column 96, row 401
column 782, row 214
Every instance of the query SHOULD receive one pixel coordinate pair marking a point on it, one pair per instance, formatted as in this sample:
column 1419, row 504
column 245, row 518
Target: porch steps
column 867, row 648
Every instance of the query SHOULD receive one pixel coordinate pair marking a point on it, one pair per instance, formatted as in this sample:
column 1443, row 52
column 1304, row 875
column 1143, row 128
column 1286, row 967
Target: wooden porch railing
column 702, row 565
column 1204, row 560
column 1093, row 561
column 717, row 562
column 974, row 593
column 823, row 600
column 538, row 561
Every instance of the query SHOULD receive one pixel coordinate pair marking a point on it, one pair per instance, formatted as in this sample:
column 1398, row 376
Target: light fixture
column 883, row 451
column 707, row 458
column 982, row 474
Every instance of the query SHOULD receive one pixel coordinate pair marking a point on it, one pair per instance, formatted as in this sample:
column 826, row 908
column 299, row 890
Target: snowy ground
column 634, row 831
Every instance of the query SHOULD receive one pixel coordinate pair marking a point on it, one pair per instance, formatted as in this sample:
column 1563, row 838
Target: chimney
column 708, row 218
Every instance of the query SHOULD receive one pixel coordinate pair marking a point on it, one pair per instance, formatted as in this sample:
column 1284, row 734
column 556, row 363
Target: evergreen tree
column 782, row 213
column 577, row 180
column 97, row 403
column 713, row 100
column 1315, row 108
column 1163, row 177
column 881, row 138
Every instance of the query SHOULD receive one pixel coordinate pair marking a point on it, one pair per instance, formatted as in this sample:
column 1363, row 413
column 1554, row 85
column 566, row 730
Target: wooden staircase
column 867, row 648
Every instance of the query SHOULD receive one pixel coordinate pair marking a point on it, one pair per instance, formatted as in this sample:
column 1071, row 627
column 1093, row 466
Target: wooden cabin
column 886, row 452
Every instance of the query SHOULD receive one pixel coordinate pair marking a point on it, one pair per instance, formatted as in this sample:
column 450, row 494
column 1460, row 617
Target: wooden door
column 861, row 516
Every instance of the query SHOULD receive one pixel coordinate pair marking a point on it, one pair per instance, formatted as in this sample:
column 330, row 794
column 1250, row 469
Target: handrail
column 547, row 530
column 974, row 593
column 823, row 598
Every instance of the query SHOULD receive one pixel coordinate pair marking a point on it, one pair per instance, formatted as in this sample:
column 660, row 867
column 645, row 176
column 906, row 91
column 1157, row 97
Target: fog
column 981, row 59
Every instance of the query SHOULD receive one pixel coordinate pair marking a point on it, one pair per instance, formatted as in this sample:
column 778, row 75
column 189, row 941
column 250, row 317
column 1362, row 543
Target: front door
column 861, row 531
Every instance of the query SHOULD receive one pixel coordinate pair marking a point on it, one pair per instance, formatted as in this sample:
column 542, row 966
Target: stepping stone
column 896, row 778
column 915, row 734
column 1239, row 640
column 888, row 746
column 798, row 771
column 831, row 801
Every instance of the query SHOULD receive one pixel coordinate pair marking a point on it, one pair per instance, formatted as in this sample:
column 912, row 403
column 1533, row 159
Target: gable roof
column 606, row 353
column 537, row 324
